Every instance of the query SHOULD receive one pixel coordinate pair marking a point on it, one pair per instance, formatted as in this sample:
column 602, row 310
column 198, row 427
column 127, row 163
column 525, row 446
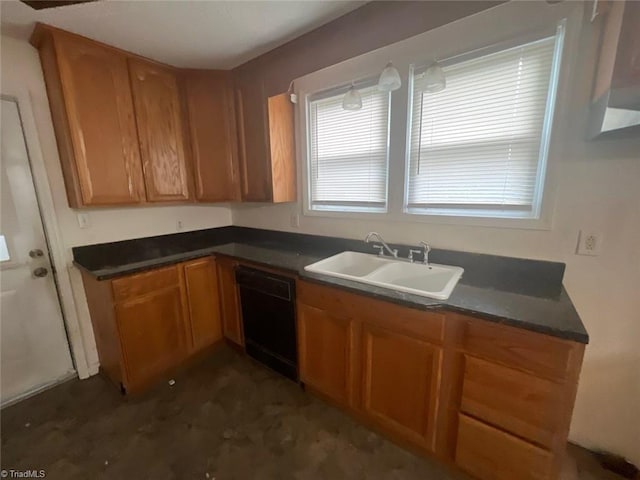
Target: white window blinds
column 348, row 151
column 478, row 147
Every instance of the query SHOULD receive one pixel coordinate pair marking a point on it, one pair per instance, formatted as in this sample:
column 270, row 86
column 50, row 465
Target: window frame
column 330, row 93
column 543, row 156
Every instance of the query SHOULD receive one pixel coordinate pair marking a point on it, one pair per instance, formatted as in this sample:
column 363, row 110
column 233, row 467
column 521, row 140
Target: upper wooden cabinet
column 131, row 131
column 93, row 117
column 266, row 142
column 158, row 108
column 212, row 128
column 127, row 128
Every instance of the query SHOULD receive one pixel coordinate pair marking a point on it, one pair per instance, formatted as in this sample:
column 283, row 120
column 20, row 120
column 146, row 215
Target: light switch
column 83, row 220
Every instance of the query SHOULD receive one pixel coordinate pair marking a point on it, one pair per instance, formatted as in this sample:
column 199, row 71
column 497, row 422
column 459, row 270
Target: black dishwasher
column 269, row 319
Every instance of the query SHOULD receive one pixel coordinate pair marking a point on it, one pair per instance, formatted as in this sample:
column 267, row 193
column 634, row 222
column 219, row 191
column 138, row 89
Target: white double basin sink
column 434, row 281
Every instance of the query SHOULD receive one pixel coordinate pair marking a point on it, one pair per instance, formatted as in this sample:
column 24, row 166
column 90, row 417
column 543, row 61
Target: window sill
column 542, row 223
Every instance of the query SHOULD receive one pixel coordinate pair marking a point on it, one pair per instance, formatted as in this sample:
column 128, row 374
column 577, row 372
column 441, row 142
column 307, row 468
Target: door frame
column 53, row 237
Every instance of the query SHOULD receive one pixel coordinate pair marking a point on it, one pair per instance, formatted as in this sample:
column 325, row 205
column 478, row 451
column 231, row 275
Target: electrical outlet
column 179, row 225
column 295, row 220
column 83, row 220
column 589, row 243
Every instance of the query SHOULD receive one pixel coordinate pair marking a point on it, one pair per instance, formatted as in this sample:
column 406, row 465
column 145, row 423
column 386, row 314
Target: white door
column 34, row 349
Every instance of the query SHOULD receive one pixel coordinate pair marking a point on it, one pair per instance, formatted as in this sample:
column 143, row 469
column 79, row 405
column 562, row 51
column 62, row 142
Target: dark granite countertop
column 521, row 293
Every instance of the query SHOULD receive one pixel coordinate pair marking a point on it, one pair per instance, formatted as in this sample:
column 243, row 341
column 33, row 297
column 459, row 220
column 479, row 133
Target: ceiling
column 184, row 33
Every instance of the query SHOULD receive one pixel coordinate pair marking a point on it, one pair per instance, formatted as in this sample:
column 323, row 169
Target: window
column 4, row 250
column 478, row 148
column 348, row 151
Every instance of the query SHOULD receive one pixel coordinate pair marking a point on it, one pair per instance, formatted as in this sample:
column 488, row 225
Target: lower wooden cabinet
column 230, row 301
column 373, row 358
column 493, row 399
column 201, row 285
column 517, row 393
column 400, row 383
column 148, row 323
column 152, row 335
column 325, row 353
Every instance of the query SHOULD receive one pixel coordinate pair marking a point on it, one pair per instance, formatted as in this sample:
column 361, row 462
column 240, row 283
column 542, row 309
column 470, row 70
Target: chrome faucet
column 392, row 251
column 425, row 253
column 426, row 248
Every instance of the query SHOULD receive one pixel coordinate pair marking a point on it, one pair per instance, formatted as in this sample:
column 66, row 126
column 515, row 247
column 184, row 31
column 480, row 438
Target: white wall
column 21, row 75
column 598, row 189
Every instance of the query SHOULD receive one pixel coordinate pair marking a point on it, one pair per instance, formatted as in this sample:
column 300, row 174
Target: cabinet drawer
column 146, row 282
column 490, row 454
column 515, row 401
column 541, row 354
column 416, row 323
column 337, row 302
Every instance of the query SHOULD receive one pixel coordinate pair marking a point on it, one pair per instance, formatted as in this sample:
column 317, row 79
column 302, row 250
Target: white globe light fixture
column 389, row 79
column 434, row 79
column 352, row 99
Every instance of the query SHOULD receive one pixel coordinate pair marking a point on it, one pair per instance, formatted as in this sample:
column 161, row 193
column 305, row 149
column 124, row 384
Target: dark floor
column 226, row 419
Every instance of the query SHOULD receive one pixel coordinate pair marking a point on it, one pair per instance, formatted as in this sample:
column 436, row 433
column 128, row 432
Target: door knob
column 40, row 272
column 35, row 253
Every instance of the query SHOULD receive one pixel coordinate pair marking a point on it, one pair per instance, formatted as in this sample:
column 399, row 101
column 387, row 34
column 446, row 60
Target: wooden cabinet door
column 255, row 160
column 213, row 135
column 229, row 301
column 102, row 164
column 201, row 282
column 152, row 333
column 282, row 148
column 158, row 107
column 400, row 381
column 325, row 351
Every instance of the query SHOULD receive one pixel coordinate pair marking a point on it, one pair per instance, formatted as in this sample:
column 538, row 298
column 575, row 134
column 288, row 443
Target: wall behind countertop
column 598, row 190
